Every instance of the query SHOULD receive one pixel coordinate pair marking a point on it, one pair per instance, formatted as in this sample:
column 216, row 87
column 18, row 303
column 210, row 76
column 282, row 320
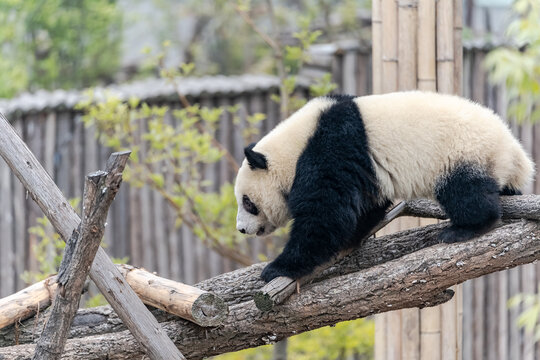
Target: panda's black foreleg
column 470, row 198
column 315, row 240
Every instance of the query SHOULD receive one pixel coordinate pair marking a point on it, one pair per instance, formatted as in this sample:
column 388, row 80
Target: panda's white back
column 416, row 137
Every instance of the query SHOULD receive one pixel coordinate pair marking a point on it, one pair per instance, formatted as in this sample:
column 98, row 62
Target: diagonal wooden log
column 65, row 220
column 100, row 189
column 280, row 288
column 413, row 280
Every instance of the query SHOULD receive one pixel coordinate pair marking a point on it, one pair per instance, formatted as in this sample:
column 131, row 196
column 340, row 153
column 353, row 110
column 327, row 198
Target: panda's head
column 262, row 204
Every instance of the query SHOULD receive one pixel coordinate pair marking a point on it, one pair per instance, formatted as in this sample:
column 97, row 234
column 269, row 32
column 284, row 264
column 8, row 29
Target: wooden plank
column 380, row 336
column 458, row 47
column 459, row 310
column 410, row 334
column 62, row 165
column 393, row 336
column 528, row 281
column 33, row 137
column 502, row 316
column 7, row 252
column 468, row 311
column 514, row 276
column 125, row 302
column 376, row 56
column 349, row 71
column 50, row 143
column 427, row 69
column 407, row 25
column 389, row 46
column 430, row 333
column 19, row 229
column 445, row 46
column 491, row 330
column 479, row 318
column 449, row 329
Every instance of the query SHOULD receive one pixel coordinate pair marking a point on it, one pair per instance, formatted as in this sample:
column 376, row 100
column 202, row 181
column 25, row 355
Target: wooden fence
column 141, row 224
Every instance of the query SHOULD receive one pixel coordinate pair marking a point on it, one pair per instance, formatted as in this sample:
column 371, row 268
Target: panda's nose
column 243, row 231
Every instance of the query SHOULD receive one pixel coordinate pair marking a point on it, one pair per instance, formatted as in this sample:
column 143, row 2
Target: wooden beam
column 110, row 282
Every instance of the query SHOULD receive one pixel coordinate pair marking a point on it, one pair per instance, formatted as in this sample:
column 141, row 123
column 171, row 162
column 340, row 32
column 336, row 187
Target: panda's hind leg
column 470, row 198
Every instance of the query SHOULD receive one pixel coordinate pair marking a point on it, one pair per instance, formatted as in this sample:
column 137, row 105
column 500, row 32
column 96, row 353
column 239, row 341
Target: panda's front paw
column 271, row 271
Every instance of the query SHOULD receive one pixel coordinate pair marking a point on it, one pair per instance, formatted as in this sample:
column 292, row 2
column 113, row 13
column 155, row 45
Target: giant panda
column 337, row 164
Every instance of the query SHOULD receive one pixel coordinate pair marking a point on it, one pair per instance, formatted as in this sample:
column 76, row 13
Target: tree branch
column 407, row 269
column 280, row 288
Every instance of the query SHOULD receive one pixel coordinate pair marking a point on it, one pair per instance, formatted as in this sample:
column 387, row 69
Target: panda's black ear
column 255, row 159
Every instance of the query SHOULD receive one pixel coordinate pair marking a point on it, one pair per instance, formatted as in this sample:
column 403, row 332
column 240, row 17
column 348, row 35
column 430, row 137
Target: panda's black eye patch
column 249, row 206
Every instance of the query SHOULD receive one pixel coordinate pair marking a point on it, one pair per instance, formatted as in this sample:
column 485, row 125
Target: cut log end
column 263, row 301
column 209, row 310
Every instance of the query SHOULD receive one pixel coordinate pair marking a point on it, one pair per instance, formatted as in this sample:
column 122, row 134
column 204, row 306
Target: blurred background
column 186, row 85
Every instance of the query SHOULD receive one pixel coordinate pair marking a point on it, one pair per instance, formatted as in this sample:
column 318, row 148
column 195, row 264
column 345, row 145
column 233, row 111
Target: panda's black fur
column 334, row 198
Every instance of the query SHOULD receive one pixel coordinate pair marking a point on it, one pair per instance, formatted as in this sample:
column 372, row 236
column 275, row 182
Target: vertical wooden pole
column 376, row 54
column 389, row 46
column 407, row 80
column 417, row 45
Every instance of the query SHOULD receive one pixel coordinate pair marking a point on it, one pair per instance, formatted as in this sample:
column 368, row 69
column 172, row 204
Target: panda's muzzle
column 260, row 231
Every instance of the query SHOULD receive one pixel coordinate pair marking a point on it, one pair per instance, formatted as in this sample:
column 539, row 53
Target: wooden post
column 100, row 189
column 112, row 285
column 426, row 57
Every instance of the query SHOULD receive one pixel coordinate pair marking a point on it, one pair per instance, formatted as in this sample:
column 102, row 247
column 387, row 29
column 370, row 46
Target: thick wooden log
column 513, row 207
column 100, row 189
column 201, row 307
column 27, row 302
column 65, row 220
column 188, row 302
column 413, row 280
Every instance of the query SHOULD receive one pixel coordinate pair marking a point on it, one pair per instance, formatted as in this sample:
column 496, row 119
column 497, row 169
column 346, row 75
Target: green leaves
column 518, row 69
column 528, row 319
column 57, row 44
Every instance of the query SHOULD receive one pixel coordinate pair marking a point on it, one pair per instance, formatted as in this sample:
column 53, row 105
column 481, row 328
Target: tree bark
column 348, row 291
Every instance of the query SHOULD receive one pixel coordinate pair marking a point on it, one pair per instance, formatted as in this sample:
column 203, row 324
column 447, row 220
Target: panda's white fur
column 414, row 140
column 406, row 128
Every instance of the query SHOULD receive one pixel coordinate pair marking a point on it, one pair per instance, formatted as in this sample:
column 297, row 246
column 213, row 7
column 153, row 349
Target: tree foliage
column 346, row 340
column 57, row 44
column 517, row 68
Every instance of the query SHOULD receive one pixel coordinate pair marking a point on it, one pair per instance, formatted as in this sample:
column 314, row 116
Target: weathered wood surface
column 27, row 302
column 100, row 189
column 190, row 303
column 513, row 207
column 413, row 280
column 64, row 219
